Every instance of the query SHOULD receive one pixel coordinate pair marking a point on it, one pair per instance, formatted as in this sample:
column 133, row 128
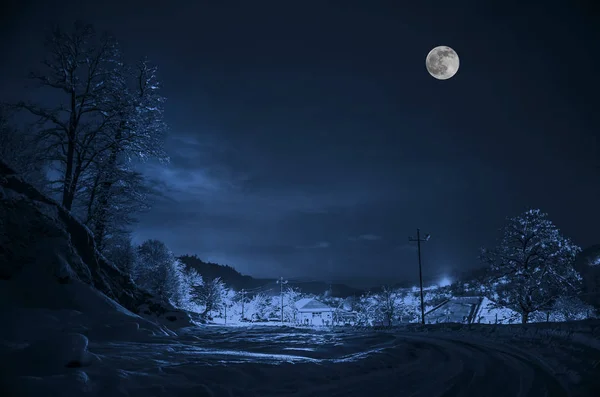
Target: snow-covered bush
column 210, row 296
column 259, row 307
column 570, row 308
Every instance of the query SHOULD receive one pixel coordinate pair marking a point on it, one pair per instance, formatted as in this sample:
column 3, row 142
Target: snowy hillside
column 47, row 254
column 57, row 292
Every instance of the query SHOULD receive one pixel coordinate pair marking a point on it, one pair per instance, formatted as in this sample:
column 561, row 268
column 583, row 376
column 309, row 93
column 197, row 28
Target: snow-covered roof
column 456, row 309
column 311, row 305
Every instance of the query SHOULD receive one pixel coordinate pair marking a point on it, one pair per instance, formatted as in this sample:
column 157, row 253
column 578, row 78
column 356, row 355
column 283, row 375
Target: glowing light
column 444, row 282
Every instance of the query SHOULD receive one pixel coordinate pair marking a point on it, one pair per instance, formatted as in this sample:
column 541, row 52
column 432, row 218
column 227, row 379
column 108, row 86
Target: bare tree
column 111, row 115
column 532, row 265
column 136, row 131
column 387, row 305
column 19, row 150
column 110, row 214
column 80, row 66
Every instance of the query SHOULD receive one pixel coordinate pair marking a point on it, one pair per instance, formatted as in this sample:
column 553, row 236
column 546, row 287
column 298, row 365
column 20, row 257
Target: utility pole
column 243, row 299
column 419, row 240
column 281, row 282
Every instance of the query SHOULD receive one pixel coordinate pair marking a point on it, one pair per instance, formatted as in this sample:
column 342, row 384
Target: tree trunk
column 90, row 207
column 524, row 317
column 67, row 201
column 72, row 189
column 103, row 200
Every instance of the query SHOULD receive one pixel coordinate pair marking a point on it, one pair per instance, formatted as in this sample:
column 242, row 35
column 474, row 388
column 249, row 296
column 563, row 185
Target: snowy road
column 289, row 362
column 272, row 361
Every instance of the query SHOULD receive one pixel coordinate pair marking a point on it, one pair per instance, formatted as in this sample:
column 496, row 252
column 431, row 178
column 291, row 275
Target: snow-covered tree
column 186, row 282
column 79, row 65
column 227, row 308
column 407, row 310
column 136, row 131
column 259, row 307
column 387, row 305
column 210, row 295
column 157, row 271
column 570, row 308
column 365, row 308
column 122, row 253
column 290, row 297
column 532, row 265
column 105, row 114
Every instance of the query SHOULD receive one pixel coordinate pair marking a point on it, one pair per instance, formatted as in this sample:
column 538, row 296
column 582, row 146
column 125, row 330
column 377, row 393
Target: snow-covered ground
column 443, row 360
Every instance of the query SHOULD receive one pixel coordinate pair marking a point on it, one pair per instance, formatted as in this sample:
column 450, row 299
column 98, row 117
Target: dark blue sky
column 308, row 140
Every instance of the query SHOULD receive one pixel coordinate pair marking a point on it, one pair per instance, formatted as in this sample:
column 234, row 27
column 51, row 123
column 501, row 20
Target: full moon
column 442, row 62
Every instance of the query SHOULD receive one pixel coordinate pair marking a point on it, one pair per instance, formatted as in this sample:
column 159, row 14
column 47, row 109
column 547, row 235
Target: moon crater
column 442, row 62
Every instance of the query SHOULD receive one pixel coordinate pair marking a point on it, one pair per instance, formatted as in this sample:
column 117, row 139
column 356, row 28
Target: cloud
column 319, row 245
column 229, row 205
column 366, row 237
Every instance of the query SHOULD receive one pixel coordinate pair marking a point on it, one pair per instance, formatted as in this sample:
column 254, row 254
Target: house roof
column 455, row 309
column 301, row 302
column 309, row 304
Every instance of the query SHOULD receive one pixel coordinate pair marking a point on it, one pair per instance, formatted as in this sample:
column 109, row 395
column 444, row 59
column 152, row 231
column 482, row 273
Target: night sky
column 308, row 140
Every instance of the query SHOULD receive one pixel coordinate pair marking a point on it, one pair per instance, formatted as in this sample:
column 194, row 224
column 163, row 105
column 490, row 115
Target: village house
column 311, row 312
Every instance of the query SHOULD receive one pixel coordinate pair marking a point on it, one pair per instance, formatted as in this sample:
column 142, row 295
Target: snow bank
column 50, row 356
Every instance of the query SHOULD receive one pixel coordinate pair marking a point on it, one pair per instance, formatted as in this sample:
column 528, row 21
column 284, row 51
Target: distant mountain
column 238, row 281
column 228, row 274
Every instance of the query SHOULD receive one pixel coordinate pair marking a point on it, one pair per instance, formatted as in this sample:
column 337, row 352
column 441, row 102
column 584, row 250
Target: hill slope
column 48, row 261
